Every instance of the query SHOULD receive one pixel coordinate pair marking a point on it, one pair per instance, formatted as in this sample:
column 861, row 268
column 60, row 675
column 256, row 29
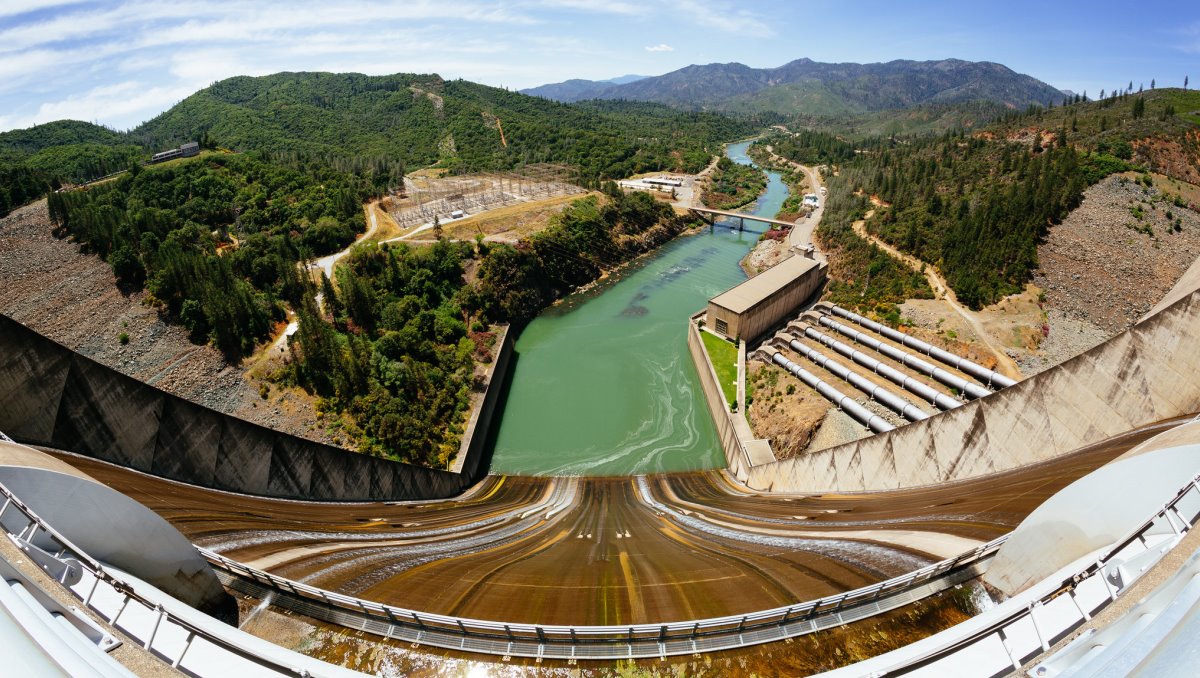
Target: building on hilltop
column 187, row 150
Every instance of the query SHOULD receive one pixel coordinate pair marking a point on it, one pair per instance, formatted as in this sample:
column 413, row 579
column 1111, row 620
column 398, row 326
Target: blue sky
column 120, row 63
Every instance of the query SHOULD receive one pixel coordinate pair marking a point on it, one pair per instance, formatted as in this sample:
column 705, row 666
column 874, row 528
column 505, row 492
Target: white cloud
column 724, row 16
column 129, row 99
column 663, row 47
column 15, row 7
column 610, row 7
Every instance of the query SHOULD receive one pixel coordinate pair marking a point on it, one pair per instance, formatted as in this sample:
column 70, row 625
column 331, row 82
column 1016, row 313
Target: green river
column 603, row 384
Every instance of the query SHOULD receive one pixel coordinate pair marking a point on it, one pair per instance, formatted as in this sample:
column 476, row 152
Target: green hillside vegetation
column 419, row 120
column 976, row 206
column 219, row 242
column 1158, row 129
column 926, row 119
column 862, row 276
column 36, row 160
column 733, row 185
column 162, row 228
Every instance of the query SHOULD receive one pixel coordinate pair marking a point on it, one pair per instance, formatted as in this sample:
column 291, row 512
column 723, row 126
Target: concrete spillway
column 1148, row 373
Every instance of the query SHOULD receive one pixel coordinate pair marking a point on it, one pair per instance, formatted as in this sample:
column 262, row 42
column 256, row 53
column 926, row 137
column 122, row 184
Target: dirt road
column 942, row 291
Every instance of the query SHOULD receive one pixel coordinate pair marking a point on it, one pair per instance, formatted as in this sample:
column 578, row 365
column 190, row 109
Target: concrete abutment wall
column 53, row 397
column 1146, row 374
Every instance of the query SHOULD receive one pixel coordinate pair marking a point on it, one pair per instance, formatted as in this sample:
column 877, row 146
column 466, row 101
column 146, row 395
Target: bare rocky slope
column 1117, row 254
column 51, row 287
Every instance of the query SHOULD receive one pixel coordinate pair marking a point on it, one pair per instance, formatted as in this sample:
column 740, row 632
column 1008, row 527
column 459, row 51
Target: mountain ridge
column 803, row 85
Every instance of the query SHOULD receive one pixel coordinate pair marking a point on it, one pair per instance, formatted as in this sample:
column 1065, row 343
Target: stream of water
column 603, row 383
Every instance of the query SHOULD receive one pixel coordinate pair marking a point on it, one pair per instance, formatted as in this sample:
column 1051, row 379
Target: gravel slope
column 73, row 298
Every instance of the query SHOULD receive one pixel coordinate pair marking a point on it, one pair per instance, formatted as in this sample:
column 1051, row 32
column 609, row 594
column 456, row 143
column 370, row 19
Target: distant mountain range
column 811, row 87
column 576, row 89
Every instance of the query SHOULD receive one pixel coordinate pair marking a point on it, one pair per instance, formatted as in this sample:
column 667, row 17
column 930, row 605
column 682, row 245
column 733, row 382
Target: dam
column 549, row 565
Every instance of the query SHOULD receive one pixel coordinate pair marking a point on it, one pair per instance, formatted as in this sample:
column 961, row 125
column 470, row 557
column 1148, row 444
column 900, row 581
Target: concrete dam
column 593, row 568
column 993, row 498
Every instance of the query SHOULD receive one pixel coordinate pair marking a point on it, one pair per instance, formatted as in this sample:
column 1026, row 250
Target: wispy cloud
column 662, row 47
column 723, row 16
column 1191, row 38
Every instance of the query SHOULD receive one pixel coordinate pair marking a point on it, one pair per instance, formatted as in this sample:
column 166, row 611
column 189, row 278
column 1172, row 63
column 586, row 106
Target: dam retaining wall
column 1146, row 374
column 53, row 397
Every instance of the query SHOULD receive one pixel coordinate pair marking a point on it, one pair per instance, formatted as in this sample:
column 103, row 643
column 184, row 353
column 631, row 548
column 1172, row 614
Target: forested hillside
column 417, row 120
column 219, row 242
column 216, row 240
column 977, row 205
column 35, row 160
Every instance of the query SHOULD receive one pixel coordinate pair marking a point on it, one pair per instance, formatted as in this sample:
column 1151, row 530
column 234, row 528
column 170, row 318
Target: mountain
column 809, row 87
column 625, row 79
column 418, row 120
column 39, row 158
column 573, row 90
column 59, row 133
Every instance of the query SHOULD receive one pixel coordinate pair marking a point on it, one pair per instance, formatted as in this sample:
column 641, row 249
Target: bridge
column 710, row 215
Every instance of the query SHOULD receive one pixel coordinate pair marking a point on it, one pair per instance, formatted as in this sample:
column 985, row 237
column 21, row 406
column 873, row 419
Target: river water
column 603, row 382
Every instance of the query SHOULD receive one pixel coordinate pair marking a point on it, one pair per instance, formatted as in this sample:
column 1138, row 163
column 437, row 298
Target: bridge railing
column 602, row 642
column 141, row 617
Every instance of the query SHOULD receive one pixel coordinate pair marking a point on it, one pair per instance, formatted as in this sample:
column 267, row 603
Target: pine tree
column 1151, row 83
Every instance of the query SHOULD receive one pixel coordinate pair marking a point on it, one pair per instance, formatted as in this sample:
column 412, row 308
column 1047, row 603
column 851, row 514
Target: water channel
column 603, row 383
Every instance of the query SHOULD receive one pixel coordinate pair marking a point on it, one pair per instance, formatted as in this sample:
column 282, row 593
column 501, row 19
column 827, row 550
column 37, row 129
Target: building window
column 722, row 327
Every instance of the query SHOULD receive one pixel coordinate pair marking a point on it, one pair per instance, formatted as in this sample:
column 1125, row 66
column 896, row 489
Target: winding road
column 942, row 291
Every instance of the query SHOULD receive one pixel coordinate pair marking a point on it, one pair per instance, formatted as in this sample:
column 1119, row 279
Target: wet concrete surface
column 607, row 550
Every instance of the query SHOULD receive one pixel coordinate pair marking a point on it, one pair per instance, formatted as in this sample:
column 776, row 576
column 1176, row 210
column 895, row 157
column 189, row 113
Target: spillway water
column 603, row 383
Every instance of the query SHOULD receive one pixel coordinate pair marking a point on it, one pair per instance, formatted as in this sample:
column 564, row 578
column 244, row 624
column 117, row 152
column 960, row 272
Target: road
column 942, row 291
column 801, row 234
column 326, row 264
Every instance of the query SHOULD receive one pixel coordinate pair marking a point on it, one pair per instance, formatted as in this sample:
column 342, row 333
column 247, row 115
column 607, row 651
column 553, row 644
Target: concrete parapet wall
column 1146, row 374
column 735, row 454
column 479, row 423
column 53, row 397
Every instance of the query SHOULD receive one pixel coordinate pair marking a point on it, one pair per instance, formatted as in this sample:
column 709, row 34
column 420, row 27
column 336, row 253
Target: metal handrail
column 97, row 570
column 578, row 636
column 1066, row 586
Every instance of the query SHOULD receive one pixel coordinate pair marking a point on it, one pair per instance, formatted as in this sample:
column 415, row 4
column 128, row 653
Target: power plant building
column 749, row 309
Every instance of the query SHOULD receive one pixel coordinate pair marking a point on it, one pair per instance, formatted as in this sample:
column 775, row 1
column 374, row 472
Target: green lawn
column 724, row 356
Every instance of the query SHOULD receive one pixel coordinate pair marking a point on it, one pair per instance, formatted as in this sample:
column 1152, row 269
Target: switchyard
column 426, row 198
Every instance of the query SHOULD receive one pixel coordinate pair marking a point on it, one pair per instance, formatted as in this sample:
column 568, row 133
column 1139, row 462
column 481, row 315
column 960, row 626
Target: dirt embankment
column 1118, row 254
column 784, row 410
column 73, row 298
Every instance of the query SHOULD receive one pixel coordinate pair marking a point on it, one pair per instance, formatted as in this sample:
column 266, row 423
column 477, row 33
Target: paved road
column 801, row 234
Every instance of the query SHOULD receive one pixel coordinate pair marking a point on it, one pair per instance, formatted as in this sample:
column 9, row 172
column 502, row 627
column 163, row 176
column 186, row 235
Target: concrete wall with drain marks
column 53, row 397
column 1149, row 373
